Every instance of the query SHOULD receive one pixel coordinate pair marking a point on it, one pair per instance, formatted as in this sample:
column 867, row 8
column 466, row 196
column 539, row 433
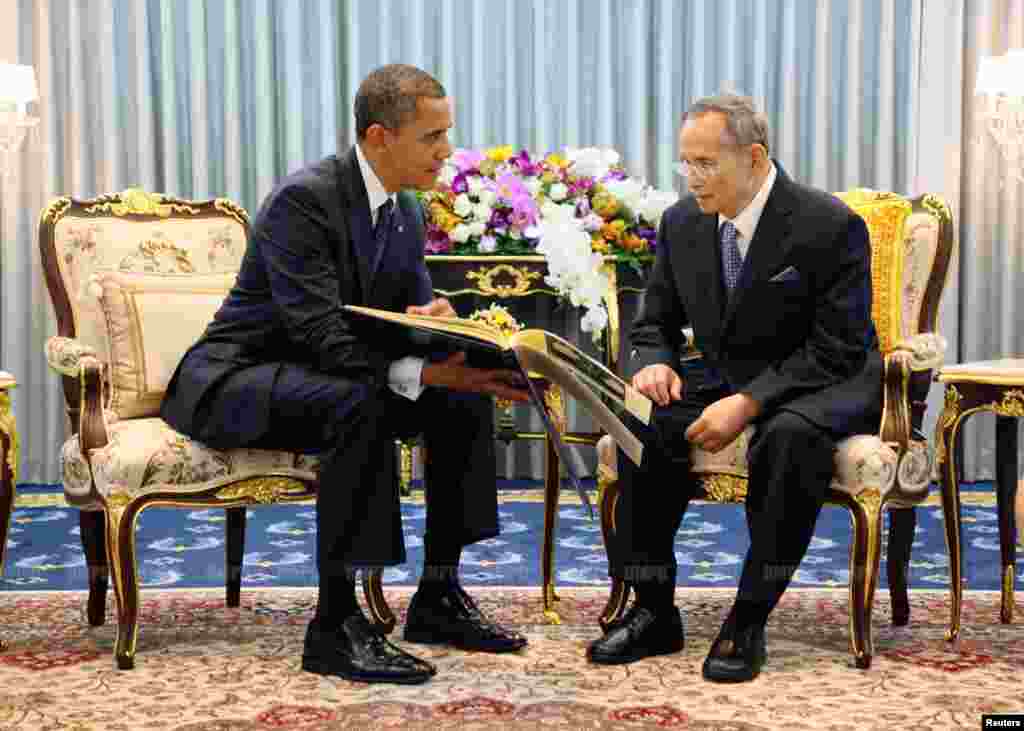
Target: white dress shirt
column 746, row 220
column 405, row 374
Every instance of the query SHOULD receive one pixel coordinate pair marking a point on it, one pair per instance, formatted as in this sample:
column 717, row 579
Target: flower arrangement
column 574, row 207
column 499, row 318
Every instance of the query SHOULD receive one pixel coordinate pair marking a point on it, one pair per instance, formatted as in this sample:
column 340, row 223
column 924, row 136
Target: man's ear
column 759, row 153
column 377, row 135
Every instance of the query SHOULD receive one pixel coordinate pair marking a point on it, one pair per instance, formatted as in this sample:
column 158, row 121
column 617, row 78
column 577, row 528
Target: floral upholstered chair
column 134, row 278
column 911, row 246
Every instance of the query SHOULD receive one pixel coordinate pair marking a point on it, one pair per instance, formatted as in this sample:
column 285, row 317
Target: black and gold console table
column 995, row 386
column 8, row 463
column 473, row 282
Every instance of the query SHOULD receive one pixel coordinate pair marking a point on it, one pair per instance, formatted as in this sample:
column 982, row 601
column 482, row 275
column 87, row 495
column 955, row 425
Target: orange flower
column 632, row 242
column 612, row 232
column 598, row 244
column 556, row 160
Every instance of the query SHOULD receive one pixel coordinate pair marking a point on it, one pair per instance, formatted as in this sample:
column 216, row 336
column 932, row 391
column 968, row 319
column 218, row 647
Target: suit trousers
column 358, row 509
column 791, row 464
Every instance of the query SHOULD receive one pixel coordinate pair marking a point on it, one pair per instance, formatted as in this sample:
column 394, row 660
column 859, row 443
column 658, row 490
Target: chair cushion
column 184, row 243
column 145, row 455
column 151, row 320
column 862, row 461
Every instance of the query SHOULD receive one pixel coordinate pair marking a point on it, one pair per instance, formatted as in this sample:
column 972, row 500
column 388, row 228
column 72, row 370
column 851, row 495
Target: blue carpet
column 179, row 548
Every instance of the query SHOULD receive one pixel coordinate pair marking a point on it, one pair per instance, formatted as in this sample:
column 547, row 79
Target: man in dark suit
column 282, row 367
column 774, row 279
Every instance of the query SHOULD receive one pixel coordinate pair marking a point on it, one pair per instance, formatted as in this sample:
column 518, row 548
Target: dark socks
column 336, row 600
column 440, row 567
column 658, row 596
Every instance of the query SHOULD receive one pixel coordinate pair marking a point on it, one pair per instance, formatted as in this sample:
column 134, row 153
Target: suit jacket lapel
column 707, row 282
column 359, row 225
column 768, row 248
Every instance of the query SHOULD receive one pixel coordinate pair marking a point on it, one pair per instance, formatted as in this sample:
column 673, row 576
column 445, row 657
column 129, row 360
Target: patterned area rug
column 201, row 666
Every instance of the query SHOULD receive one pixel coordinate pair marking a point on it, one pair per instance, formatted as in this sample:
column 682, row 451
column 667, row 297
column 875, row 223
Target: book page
column 561, row 373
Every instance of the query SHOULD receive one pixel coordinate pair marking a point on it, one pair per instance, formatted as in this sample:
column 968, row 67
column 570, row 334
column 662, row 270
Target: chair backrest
column 137, row 276
column 911, row 249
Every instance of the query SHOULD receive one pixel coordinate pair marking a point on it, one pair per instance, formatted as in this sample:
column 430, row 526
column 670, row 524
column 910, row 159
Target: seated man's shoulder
column 307, row 184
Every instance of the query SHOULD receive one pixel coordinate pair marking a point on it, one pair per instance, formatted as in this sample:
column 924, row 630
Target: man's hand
column 453, row 373
column 722, row 422
column 439, row 307
column 660, row 383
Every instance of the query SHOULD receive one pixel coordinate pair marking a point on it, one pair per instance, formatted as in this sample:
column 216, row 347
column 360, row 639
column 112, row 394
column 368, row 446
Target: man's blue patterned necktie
column 381, row 231
column 732, row 262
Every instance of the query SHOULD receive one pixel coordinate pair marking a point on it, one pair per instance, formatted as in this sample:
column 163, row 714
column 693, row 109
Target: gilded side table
column 996, row 386
column 8, row 463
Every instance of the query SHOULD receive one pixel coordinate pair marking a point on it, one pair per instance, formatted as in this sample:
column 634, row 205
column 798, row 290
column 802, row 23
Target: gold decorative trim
column 118, row 500
column 55, row 211
column 884, row 214
column 135, row 201
column 8, row 427
column 232, row 209
column 262, row 490
column 1011, row 405
column 870, row 498
column 522, row 277
column 947, row 418
column 553, row 399
column 725, row 488
column 937, row 207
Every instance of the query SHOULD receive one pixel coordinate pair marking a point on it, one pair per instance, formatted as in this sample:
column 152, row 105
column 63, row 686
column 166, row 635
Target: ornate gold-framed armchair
column 134, row 278
column 911, row 248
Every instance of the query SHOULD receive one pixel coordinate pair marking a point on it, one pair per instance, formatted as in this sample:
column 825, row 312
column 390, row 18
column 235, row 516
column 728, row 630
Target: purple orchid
column 525, row 165
column 467, row 160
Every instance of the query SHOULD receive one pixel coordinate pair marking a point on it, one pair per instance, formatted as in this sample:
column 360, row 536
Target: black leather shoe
column 453, row 618
column 640, row 633
column 736, row 657
column 358, row 651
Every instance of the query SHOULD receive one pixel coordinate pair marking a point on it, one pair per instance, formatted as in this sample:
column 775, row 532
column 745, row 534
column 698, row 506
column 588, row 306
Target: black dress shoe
column 453, row 618
column 358, row 651
column 640, row 633
column 736, row 657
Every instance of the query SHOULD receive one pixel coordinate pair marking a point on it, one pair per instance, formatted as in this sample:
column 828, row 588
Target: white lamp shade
column 17, row 83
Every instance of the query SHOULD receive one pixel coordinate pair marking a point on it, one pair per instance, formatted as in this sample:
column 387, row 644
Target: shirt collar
column 747, row 219
column 375, row 191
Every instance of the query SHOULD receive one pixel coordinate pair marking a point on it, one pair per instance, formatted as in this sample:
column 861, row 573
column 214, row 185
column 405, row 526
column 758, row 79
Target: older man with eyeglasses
column 774, row 279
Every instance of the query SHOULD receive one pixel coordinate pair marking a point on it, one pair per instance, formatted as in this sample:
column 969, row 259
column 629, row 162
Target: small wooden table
column 996, row 386
column 8, row 463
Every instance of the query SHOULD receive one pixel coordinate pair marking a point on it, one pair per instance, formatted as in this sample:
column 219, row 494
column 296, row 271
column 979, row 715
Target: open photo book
column 613, row 403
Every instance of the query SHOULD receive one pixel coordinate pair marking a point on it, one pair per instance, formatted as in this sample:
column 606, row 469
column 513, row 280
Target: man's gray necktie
column 732, row 262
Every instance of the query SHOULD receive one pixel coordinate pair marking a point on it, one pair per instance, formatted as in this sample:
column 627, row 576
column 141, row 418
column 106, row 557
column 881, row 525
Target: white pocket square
column 789, row 274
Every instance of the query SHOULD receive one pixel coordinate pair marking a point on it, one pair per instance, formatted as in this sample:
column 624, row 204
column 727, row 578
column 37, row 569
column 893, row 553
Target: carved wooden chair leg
column 380, row 612
column 235, row 552
column 608, row 495
column 902, row 523
column 93, row 534
column 865, row 553
column 121, row 548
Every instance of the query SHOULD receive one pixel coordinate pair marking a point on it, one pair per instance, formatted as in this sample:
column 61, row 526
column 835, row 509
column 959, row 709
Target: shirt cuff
column 404, row 377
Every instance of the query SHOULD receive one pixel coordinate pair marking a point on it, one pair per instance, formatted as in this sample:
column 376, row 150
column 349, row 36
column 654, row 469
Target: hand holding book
column 454, row 373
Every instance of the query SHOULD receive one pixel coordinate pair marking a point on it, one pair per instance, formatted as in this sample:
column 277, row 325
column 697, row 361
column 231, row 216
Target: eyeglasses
column 702, row 169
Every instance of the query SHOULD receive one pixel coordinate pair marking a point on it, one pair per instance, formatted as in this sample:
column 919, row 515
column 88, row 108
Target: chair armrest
column 897, row 425
column 92, row 421
column 927, row 350
column 64, row 355
column 75, row 359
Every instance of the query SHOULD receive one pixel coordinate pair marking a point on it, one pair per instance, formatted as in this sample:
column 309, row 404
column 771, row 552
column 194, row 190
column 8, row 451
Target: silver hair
column 745, row 124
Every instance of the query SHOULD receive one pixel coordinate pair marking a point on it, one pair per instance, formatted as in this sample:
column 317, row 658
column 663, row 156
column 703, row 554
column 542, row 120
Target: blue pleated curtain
column 202, row 98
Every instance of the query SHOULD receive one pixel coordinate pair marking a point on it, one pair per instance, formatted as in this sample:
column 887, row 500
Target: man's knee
column 791, row 439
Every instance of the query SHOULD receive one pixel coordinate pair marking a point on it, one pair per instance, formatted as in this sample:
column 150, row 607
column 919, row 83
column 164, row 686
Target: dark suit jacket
column 302, row 263
column 805, row 342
